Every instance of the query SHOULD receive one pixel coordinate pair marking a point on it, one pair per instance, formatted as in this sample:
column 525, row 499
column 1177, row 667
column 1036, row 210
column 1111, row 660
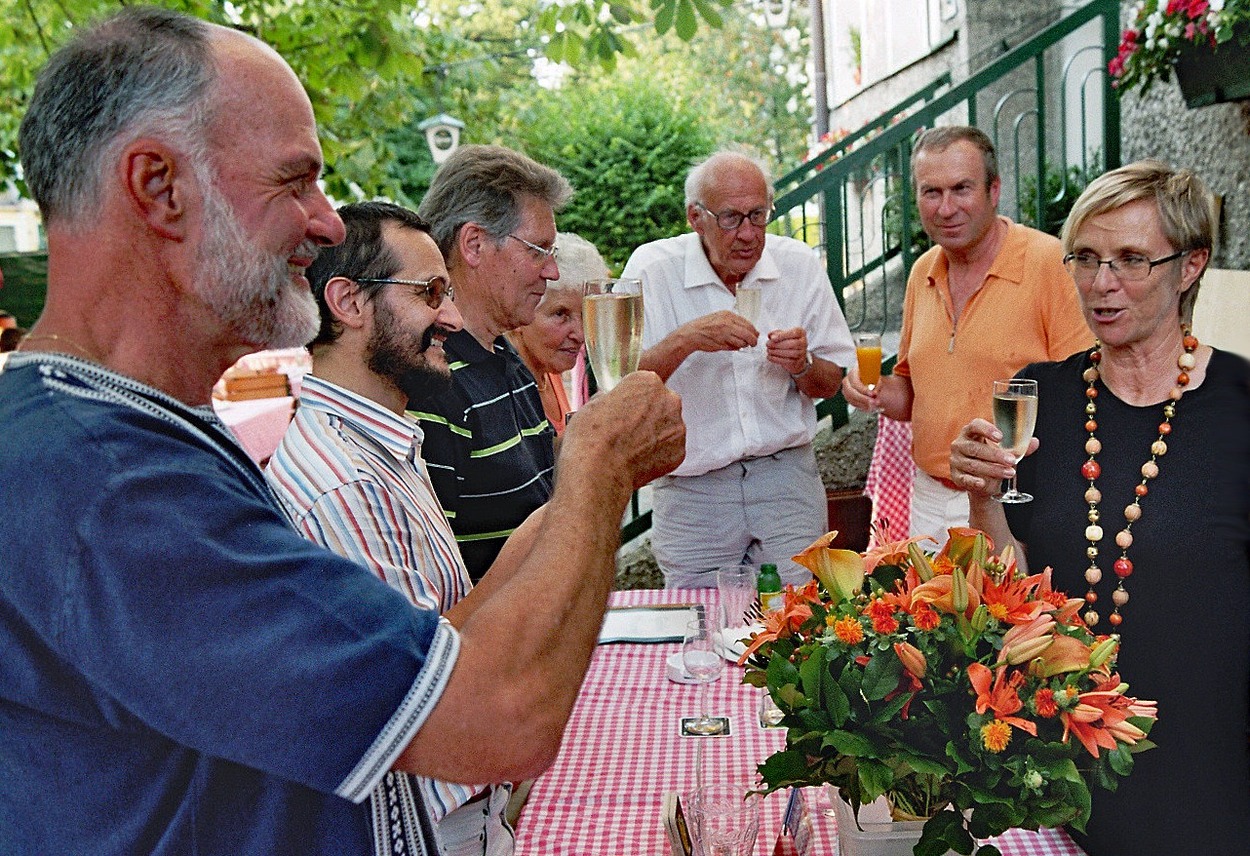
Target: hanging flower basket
column 1213, row 75
column 1205, row 42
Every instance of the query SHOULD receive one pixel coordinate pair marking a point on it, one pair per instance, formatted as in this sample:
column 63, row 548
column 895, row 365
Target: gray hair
column 486, row 185
column 705, row 174
column 579, row 261
column 143, row 71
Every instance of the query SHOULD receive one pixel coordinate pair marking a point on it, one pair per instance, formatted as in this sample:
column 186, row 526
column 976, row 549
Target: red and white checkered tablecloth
column 622, row 752
column 890, row 477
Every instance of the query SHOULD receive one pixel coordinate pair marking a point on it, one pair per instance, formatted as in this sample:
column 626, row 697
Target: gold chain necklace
column 1091, row 469
column 53, row 337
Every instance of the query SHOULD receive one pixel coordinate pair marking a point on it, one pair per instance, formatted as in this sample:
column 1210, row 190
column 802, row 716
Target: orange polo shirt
column 1027, row 311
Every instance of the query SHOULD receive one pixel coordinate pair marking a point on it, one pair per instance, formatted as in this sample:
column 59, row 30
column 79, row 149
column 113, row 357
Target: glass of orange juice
column 868, row 355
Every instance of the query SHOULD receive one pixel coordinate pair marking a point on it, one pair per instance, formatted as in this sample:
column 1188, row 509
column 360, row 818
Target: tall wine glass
column 703, row 661
column 1015, row 415
column 612, row 317
column 868, row 356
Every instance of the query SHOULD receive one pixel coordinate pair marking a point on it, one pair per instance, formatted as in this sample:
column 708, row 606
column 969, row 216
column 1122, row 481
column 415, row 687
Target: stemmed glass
column 612, row 319
column 703, row 661
column 868, row 356
column 1015, row 415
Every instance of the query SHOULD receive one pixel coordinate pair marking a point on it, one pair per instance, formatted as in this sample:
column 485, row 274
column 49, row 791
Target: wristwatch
column 807, row 368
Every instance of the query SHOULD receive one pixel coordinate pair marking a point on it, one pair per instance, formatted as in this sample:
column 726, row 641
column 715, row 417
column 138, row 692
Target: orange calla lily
column 841, row 572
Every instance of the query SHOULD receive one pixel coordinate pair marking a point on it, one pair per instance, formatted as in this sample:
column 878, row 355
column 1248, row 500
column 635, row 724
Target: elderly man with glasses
column 488, row 444
column 749, row 490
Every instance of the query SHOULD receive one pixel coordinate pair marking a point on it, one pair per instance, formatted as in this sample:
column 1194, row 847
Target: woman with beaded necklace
column 1140, row 472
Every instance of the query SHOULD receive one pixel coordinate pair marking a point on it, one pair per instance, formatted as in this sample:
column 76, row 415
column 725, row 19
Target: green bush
column 626, row 148
column 1060, row 191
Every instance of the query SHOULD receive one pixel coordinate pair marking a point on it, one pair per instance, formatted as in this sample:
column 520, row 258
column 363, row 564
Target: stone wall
column 1213, row 141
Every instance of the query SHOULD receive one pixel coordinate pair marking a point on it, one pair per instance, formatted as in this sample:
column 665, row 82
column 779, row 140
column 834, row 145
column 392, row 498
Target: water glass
column 735, row 586
column 724, row 819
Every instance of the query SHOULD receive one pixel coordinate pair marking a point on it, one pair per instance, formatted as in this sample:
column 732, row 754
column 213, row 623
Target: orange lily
column 1002, row 697
column 1009, row 600
column 939, row 593
column 962, row 547
column 1100, row 718
column 1065, row 654
column 893, row 553
column 912, row 659
column 841, row 572
column 796, row 609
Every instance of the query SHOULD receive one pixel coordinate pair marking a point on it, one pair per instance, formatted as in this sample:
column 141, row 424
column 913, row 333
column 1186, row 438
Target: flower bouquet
column 963, row 691
column 1158, row 28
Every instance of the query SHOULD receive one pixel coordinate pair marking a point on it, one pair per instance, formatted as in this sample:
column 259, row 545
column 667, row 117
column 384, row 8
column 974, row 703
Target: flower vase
column 1214, row 75
column 876, row 834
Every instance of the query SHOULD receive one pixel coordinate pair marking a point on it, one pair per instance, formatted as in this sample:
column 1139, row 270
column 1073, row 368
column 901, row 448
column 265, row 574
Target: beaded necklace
column 1123, row 566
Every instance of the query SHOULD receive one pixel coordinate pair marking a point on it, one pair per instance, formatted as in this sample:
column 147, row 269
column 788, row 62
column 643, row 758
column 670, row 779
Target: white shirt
column 736, row 404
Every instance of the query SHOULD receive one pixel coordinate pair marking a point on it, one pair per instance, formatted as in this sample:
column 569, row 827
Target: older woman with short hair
column 551, row 344
column 1140, row 473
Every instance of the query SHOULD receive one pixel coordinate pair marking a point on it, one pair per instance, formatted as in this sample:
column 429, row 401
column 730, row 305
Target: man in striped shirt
column 488, row 444
column 349, row 469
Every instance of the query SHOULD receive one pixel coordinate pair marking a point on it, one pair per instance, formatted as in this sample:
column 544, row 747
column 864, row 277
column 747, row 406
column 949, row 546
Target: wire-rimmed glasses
column 731, row 220
column 434, row 290
column 540, row 253
column 1130, row 267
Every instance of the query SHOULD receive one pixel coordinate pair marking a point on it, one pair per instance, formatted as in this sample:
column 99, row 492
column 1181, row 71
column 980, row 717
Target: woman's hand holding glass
column 978, row 463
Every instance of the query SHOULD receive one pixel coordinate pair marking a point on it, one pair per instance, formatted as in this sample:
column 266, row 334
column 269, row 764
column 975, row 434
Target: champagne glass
column 704, row 663
column 868, row 356
column 747, row 303
column 612, row 317
column 1015, row 415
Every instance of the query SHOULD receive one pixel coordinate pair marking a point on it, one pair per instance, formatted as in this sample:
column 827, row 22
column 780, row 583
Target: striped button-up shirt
column 350, row 474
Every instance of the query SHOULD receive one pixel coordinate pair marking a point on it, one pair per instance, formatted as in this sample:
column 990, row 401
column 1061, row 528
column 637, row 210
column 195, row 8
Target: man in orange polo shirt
column 990, row 298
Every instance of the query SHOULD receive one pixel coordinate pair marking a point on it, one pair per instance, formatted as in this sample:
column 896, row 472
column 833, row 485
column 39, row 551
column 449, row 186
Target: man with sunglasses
column 749, row 489
column 488, row 444
column 349, row 469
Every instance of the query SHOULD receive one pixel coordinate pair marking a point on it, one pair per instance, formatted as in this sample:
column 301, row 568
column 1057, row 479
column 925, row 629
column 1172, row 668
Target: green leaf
column 944, row 831
column 784, row 768
column 687, row 24
column 881, row 676
column 1121, row 760
column 836, row 703
column 709, row 13
column 851, row 743
column 813, row 673
column 874, row 778
column 664, row 14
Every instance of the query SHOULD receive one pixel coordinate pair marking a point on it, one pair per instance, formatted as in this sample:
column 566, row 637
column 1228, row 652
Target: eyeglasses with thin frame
column 542, row 253
column 1130, row 267
column 434, row 290
column 731, row 220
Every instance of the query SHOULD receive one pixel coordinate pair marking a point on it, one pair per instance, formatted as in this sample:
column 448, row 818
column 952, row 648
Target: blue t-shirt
column 182, row 673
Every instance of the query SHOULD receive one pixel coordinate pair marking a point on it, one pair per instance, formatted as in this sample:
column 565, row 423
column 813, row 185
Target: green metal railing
column 854, row 202
column 857, row 197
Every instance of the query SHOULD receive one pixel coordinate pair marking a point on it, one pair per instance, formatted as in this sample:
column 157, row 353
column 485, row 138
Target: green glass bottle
column 768, row 584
